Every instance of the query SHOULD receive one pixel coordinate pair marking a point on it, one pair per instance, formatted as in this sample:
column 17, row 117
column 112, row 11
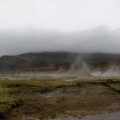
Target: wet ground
column 107, row 116
column 59, row 98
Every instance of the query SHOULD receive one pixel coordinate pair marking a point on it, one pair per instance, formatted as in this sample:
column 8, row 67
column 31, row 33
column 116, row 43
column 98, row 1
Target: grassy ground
column 49, row 98
column 7, row 102
column 115, row 87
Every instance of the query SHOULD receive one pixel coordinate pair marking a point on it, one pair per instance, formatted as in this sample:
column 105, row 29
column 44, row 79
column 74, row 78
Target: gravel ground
column 108, row 116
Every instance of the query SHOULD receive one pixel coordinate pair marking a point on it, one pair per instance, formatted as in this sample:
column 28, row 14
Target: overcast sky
column 59, row 25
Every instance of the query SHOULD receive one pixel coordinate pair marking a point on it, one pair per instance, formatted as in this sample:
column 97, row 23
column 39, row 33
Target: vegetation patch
column 7, row 104
column 115, row 87
column 49, row 98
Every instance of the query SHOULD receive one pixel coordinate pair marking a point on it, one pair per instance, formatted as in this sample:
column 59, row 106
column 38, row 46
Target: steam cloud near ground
column 85, row 71
column 81, row 68
column 101, row 39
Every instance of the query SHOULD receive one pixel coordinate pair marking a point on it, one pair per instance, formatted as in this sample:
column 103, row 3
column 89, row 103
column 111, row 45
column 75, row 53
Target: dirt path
column 108, row 116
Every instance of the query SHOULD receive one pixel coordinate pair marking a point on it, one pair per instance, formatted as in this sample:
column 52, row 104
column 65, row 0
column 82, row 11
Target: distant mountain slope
column 31, row 61
column 55, row 61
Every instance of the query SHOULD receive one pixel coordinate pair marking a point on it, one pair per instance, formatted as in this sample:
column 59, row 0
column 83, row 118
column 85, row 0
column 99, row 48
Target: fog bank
column 100, row 39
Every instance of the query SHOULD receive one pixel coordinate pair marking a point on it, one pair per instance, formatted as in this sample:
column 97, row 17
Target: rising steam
column 81, row 68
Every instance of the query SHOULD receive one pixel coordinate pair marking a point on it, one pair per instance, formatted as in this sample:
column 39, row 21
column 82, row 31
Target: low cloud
column 101, row 39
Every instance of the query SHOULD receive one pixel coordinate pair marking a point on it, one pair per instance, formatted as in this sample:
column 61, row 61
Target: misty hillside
column 56, row 61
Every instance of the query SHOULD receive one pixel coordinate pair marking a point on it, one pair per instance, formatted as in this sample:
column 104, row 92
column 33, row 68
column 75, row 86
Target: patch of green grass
column 115, row 87
column 5, row 91
column 62, row 84
column 6, row 104
column 5, row 100
column 4, row 108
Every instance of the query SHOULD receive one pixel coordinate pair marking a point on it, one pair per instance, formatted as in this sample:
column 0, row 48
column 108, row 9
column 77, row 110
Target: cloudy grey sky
column 59, row 25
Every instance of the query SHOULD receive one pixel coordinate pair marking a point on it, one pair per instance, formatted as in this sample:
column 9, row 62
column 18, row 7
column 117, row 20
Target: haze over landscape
column 65, row 25
column 59, row 59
